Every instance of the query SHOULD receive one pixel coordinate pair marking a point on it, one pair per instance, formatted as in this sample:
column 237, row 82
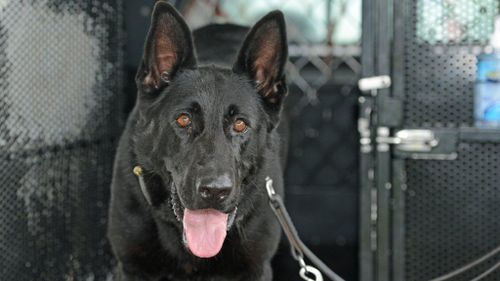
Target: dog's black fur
column 147, row 240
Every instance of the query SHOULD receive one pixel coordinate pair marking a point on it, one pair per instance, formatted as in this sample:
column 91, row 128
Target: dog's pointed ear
column 263, row 57
column 169, row 47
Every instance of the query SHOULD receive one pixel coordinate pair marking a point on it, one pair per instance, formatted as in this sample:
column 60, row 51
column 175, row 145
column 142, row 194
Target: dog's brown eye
column 183, row 120
column 240, row 126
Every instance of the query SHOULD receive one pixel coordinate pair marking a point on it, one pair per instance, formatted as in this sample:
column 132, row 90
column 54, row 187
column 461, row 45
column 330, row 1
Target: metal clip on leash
column 299, row 249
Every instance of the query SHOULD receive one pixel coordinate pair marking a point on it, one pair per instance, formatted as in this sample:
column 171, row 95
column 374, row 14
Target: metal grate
column 54, row 210
column 324, row 146
column 452, row 212
column 60, row 114
column 441, row 41
column 322, row 170
column 449, row 205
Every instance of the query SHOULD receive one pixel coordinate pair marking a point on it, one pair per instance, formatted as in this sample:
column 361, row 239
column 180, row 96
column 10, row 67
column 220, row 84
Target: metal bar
column 398, row 222
column 383, row 157
column 479, row 134
column 366, row 159
column 398, row 68
column 329, row 24
column 366, row 257
column 383, row 41
column 383, row 186
column 368, row 39
column 366, row 186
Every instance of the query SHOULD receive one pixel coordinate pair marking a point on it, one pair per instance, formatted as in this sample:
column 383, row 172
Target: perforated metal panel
column 450, row 207
column 452, row 212
column 441, row 41
column 60, row 114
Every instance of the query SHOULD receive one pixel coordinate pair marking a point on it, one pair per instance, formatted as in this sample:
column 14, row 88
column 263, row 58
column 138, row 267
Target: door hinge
column 436, row 144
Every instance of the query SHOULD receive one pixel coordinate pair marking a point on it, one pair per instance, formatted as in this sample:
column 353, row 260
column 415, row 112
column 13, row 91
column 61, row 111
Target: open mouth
column 205, row 230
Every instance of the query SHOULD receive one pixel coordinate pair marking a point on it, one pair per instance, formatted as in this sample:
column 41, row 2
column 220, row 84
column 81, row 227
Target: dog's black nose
column 215, row 189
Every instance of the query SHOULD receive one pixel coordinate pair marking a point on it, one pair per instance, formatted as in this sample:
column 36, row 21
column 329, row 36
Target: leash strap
column 298, row 248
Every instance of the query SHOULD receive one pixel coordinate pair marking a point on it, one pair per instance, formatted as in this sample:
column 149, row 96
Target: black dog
column 206, row 137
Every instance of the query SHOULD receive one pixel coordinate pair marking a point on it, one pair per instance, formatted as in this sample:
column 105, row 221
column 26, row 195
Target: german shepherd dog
column 206, row 137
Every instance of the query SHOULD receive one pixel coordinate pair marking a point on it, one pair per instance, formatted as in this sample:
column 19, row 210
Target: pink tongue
column 205, row 231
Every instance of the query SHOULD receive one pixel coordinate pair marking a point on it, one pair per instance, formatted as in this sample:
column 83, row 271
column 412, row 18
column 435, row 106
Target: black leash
column 298, row 248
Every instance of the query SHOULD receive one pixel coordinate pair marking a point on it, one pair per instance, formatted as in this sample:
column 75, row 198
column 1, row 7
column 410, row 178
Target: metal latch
column 417, row 140
column 437, row 144
column 369, row 85
column 374, row 83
